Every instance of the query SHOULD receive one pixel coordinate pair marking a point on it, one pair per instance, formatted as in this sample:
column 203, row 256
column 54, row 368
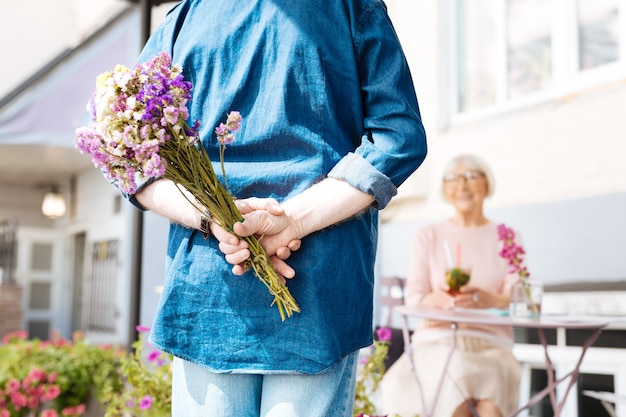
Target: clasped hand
column 467, row 297
column 277, row 233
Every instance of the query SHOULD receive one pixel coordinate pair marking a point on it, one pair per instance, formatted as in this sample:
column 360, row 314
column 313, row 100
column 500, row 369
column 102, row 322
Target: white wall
column 565, row 151
column 24, row 204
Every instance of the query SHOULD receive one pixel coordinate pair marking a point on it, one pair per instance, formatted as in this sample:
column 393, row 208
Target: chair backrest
column 391, row 295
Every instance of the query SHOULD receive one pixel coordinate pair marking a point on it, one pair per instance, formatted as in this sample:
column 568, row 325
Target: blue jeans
column 199, row 393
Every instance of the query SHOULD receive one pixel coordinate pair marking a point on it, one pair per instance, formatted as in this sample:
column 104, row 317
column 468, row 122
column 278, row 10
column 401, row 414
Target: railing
column 8, row 249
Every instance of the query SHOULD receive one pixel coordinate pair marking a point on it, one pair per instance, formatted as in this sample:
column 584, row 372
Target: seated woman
column 483, row 374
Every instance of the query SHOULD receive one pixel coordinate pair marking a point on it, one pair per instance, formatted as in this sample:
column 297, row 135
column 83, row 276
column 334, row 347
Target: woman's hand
column 438, row 298
column 474, row 297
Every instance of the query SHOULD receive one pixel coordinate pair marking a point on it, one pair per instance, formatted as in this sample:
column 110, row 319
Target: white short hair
column 475, row 163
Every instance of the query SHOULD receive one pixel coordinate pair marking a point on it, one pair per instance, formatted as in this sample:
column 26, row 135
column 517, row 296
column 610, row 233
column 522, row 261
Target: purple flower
column 512, row 252
column 145, row 403
column 154, row 355
column 224, row 131
column 384, row 334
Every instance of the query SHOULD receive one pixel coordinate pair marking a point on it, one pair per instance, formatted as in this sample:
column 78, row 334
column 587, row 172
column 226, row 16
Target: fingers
column 283, row 253
column 294, row 245
column 239, row 270
column 222, row 235
column 265, row 218
column 237, row 257
column 248, row 205
column 235, row 250
column 472, row 297
column 283, row 270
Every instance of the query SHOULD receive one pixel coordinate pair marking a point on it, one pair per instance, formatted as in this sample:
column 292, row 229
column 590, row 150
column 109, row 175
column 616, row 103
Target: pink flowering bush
column 147, row 383
column 54, row 378
column 371, row 370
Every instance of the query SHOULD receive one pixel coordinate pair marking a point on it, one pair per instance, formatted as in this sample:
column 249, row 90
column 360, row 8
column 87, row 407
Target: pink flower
column 73, row 411
column 49, row 413
column 16, row 335
column 4, row 413
column 145, row 403
column 52, row 392
column 13, row 385
column 384, row 334
column 512, row 252
column 224, row 131
column 19, row 400
column 32, row 402
column 142, row 329
column 36, row 375
column 154, row 355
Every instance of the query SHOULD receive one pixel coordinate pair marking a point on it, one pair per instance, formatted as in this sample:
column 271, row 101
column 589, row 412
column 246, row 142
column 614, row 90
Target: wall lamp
column 53, row 205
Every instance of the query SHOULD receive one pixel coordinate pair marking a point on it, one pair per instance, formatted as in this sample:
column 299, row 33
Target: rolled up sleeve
column 394, row 143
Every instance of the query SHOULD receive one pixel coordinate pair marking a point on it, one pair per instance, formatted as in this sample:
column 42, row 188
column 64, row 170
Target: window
column 598, row 34
column 515, row 51
column 477, row 54
column 528, row 41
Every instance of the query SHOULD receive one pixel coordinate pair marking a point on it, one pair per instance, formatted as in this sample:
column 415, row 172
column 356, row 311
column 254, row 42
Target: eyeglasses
column 471, row 177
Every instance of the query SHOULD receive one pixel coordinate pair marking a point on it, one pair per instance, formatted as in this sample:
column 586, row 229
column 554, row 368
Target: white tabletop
column 489, row 316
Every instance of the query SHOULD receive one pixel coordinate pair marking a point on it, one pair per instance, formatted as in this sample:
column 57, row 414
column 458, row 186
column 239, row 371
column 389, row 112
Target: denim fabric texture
column 198, row 392
column 324, row 90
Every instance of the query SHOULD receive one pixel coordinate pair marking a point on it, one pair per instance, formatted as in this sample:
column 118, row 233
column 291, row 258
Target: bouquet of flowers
column 139, row 130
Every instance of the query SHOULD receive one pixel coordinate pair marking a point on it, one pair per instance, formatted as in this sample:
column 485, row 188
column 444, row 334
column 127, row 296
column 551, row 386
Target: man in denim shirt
column 331, row 126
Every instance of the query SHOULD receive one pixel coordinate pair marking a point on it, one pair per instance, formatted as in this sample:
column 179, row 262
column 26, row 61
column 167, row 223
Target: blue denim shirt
column 324, row 90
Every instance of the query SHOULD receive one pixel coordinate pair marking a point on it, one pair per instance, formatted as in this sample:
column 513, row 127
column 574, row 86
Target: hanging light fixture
column 53, row 205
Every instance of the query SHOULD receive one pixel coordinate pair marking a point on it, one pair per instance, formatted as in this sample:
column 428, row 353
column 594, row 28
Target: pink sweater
column 480, row 251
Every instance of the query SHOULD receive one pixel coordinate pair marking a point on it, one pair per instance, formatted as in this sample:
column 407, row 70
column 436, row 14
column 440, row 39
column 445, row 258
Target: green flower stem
column 191, row 167
column 534, row 306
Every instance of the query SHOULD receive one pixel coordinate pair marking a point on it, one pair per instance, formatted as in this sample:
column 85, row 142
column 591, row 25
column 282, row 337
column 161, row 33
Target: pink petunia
column 146, row 402
column 142, row 329
column 384, row 334
column 154, row 355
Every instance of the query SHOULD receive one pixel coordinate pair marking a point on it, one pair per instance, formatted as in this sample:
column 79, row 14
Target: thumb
column 248, row 227
column 251, row 204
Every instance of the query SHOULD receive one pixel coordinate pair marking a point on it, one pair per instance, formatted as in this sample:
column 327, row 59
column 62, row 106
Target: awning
column 47, row 109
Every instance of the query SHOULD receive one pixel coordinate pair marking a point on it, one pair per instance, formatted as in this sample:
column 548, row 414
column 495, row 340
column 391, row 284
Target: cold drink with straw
column 456, row 276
